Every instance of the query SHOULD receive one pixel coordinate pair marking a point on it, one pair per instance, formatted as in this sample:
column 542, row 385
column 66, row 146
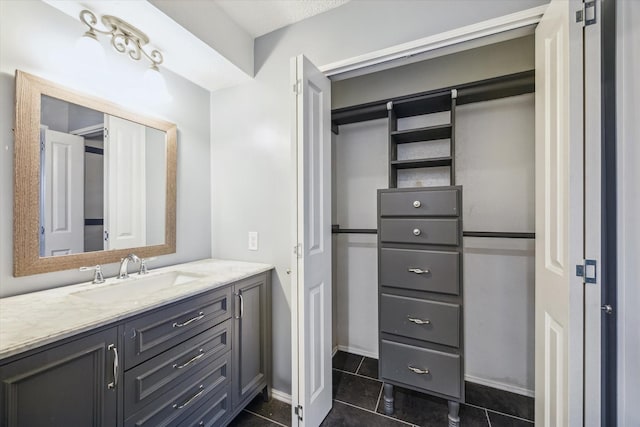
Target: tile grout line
column 265, row 418
column 499, row 413
column 486, row 414
column 357, row 375
column 360, row 365
column 375, row 413
column 379, row 396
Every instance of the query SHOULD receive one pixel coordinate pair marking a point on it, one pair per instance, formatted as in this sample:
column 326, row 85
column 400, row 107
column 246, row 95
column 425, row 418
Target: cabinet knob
column 417, row 204
column 416, row 232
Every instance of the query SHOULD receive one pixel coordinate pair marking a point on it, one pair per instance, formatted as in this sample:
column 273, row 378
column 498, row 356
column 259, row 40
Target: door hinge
column 297, row 249
column 298, row 411
column 587, row 15
column 106, row 235
column 588, row 270
column 106, row 133
column 297, row 87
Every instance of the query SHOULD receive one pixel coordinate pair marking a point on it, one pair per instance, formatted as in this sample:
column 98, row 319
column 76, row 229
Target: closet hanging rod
column 335, row 229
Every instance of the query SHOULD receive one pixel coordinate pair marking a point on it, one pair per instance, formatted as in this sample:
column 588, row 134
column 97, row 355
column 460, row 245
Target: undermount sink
column 137, row 286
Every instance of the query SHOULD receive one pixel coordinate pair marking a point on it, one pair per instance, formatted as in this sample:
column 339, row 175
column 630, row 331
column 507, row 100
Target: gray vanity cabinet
column 252, row 339
column 194, row 362
column 72, row 384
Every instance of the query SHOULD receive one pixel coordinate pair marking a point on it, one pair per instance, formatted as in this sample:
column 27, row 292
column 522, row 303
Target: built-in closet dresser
column 420, row 292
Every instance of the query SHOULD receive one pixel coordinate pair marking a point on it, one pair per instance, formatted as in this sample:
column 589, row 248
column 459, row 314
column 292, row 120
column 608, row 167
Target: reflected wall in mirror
column 102, row 181
column 93, row 181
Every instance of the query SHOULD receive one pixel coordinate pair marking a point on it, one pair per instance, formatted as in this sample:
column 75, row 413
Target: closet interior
column 462, row 124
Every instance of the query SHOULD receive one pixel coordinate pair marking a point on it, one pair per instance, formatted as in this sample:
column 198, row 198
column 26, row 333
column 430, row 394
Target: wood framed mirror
column 93, row 182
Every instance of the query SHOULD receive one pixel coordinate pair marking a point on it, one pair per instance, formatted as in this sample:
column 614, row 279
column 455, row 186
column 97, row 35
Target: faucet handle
column 98, row 277
column 143, row 265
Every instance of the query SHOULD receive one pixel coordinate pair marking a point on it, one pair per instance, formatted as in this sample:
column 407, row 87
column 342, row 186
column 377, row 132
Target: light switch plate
column 253, row 240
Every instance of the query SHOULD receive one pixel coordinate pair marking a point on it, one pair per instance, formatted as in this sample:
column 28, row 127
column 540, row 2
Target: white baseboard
column 281, row 396
column 500, row 386
column 357, row 351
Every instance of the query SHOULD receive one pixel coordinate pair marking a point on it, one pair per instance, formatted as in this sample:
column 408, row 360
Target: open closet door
column 311, row 281
column 559, row 210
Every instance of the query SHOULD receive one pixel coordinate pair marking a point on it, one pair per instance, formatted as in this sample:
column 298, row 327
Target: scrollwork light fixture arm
column 125, row 38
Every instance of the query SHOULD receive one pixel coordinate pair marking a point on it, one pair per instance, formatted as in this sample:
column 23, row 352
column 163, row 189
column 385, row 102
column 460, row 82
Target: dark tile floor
column 357, row 403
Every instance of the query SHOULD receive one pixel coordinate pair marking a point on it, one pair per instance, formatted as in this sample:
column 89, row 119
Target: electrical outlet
column 253, row 240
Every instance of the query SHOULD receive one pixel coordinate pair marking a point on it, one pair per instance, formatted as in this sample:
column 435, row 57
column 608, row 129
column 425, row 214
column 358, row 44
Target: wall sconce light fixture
column 125, row 38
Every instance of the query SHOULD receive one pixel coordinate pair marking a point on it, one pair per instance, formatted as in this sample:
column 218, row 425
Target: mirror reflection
column 102, row 181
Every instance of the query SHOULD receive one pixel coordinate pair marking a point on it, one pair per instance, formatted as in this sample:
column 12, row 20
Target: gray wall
column 46, row 37
column 628, row 138
column 252, row 168
column 498, row 59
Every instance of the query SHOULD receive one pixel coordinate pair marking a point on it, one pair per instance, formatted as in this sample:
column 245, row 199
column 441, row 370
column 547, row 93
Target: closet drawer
column 151, row 379
column 440, row 371
column 150, row 335
column 184, row 398
column 428, row 271
column 420, row 203
column 212, row 413
column 420, row 231
column 420, row 319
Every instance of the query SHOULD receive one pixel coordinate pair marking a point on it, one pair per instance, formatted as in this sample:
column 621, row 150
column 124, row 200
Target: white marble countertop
column 32, row 320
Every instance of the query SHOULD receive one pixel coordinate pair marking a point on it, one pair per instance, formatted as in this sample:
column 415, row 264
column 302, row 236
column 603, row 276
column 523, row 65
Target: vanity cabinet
column 196, row 362
column 71, row 384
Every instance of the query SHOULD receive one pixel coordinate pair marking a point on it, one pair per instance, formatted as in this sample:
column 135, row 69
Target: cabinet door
column 251, row 338
column 69, row 385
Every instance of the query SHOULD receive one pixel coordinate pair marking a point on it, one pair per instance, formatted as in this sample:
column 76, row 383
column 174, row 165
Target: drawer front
column 443, row 368
column 184, row 398
column 420, row 203
column 150, row 335
column 427, row 271
column 213, row 412
column 420, row 231
column 420, row 319
column 149, row 380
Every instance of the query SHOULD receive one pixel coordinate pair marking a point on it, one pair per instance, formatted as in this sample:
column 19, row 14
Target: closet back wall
column 39, row 39
column 494, row 158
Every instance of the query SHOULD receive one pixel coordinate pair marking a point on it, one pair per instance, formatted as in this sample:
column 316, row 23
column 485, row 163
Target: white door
column 63, row 196
column 125, row 184
column 311, row 281
column 559, row 217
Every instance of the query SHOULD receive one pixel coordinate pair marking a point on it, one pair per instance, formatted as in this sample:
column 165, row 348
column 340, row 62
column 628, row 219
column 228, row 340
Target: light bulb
column 90, row 51
column 155, row 86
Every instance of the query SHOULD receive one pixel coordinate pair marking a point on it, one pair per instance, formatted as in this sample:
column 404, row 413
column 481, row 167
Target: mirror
column 93, row 182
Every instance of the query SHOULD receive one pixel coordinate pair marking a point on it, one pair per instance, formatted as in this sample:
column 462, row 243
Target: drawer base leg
column 454, row 418
column 388, row 399
column 266, row 393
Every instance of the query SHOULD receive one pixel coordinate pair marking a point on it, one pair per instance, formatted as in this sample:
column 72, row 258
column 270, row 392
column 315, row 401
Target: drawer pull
column 190, row 361
column 417, row 232
column 419, row 321
column 180, row 325
column 419, row 271
column 418, row 370
column 191, row 399
column 417, row 204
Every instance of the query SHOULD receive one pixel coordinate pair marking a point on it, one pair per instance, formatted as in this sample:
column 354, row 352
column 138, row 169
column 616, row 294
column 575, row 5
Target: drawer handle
column 418, row 370
column 419, row 271
column 180, row 325
column 190, row 361
column 419, row 321
column 417, row 232
column 114, row 383
column 191, row 399
column 417, row 204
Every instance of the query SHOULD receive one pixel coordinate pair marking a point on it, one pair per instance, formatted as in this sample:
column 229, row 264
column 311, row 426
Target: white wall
column 39, row 39
column 628, row 147
column 252, row 178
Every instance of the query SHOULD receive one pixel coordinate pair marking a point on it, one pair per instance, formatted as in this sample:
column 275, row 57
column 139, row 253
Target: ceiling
column 259, row 17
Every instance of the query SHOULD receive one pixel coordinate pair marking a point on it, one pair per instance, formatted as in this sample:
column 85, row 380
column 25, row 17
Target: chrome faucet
column 124, row 262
